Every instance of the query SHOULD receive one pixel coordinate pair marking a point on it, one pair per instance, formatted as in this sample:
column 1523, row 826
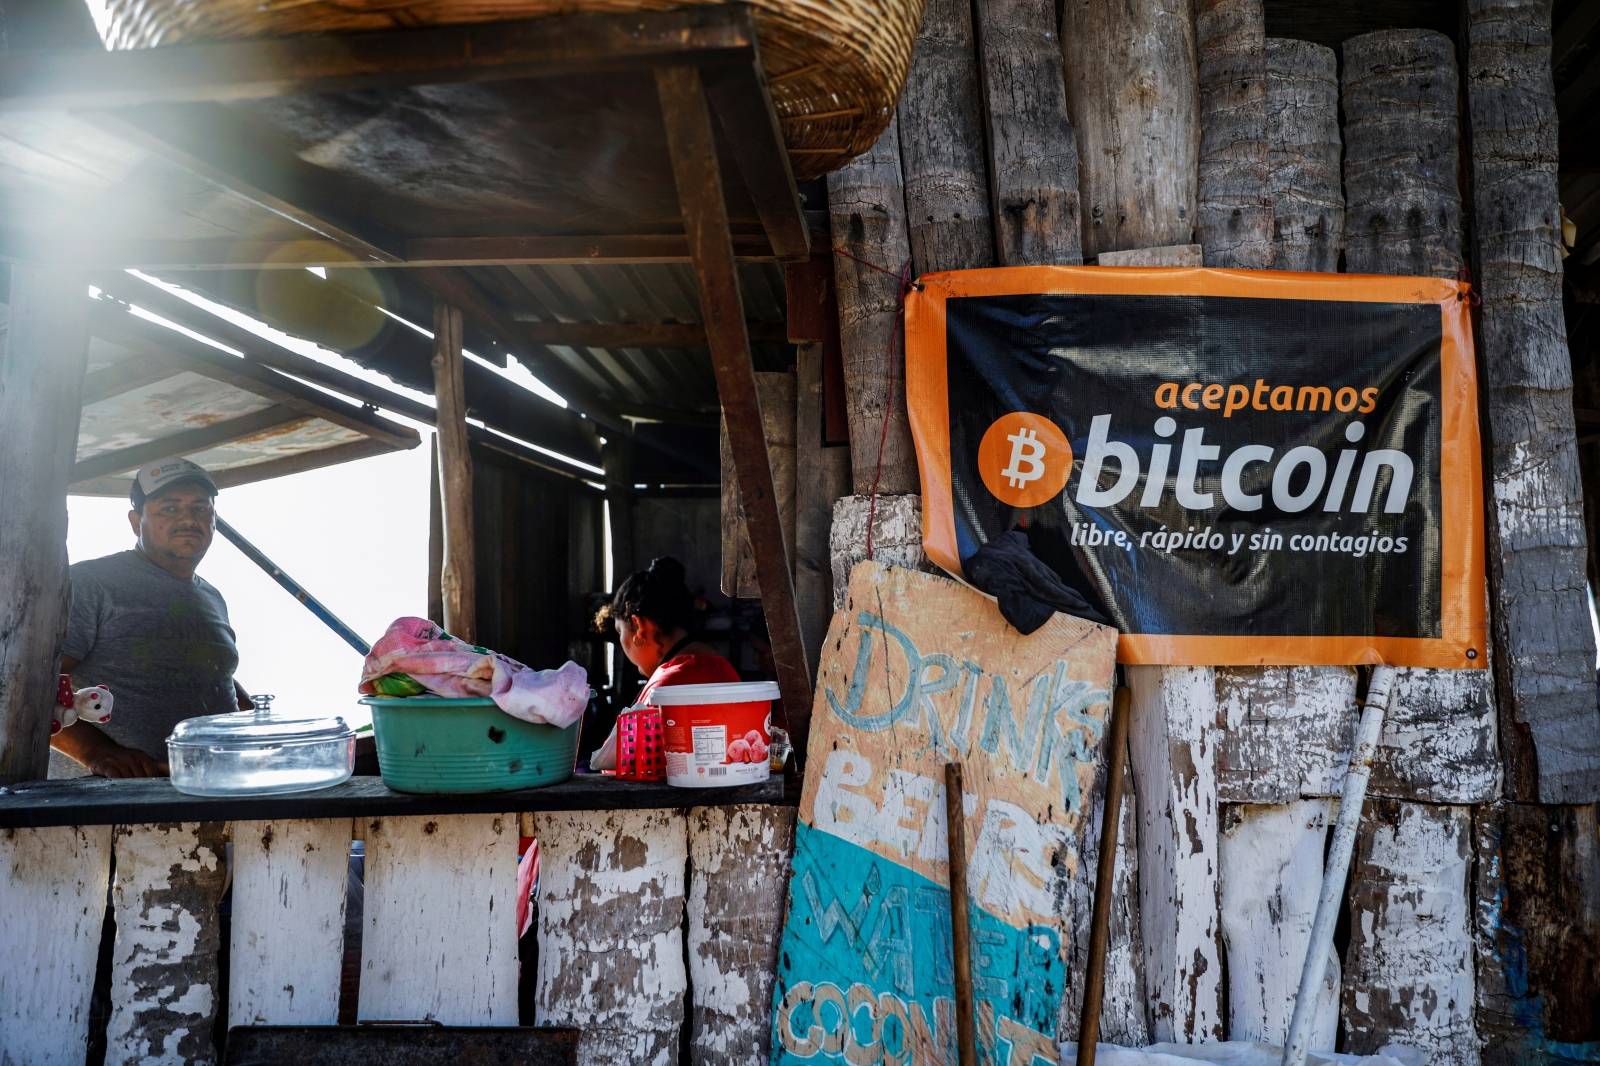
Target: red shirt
column 689, row 668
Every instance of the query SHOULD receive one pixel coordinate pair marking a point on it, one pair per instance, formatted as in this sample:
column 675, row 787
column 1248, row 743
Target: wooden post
column 611, row 936
column 941, row 145
column 1303, row 150
column 699, row 182
column 867, row 212
column 1094, row 980
column 1399, row 95
column 1033, row 150
column 1544, row 644
column 827, row 478
column 435, row 540
column 53, row 885
column 164, row 964
column 458, row 582
column 955, row 820
column 1131, row 88
column 776, row 391
column 45, row 342
column 616, row 457
column 1234, row 221
column 738, row 867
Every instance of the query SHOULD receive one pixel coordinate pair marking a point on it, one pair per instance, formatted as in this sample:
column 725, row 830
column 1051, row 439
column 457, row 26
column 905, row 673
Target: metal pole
column 1338, row 864
column 290, row 585
column 1094, row 980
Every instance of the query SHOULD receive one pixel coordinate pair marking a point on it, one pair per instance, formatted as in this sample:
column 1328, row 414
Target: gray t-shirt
column 162, row 645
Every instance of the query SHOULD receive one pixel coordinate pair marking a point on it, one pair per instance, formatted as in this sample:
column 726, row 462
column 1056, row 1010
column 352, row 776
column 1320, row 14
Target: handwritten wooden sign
column 919, row 671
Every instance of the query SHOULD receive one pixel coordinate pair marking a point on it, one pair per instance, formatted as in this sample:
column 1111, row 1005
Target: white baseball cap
column 153, row 478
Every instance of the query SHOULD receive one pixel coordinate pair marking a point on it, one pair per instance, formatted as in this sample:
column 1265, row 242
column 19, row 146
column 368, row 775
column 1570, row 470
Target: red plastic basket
column 639, row 747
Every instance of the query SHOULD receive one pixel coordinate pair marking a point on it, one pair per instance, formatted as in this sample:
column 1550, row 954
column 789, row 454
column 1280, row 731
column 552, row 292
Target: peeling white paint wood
column 1271, row 862
column 439, row 939
column 739, row 870
column 896, row 536
column 1122, row 1008
column 1408, row 973
column 287, row 939
column 164, row 962
column 611, row 913
column 1172, row 741
column 1286, row 732
column 53, row 892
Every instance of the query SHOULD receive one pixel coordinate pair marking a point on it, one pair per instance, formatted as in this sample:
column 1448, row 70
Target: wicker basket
column 834, row 67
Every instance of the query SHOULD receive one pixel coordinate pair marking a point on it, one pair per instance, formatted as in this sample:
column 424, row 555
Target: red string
column 903, row 277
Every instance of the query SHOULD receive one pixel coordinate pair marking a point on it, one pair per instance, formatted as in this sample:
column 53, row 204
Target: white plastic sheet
column 1237, row 1053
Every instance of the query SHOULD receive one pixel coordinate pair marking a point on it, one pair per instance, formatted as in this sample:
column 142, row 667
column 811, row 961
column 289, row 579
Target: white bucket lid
column 725, row 692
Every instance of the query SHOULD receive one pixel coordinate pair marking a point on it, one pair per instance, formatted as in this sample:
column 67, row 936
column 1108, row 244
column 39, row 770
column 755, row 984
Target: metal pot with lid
column 260, row 752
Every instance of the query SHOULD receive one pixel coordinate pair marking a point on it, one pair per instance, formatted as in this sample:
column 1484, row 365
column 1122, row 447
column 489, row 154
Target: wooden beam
column 555, row 46
column 459, row 579
column 695, row 171
column 738, row 93
column 41, row 378
column 124, row 377
column 296, row 464
column 636, row 334
column 189, row 442
column 92, row 251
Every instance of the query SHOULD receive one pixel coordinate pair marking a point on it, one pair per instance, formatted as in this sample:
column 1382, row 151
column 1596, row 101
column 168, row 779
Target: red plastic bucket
column 716, row 735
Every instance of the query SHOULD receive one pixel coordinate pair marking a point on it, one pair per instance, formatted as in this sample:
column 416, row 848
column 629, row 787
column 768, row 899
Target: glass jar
column 260, row 752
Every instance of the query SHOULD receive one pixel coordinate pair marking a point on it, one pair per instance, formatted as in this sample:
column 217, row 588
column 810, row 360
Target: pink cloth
column 446, row 666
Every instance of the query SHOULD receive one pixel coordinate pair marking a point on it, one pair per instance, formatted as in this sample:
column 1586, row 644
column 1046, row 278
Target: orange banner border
column 1462, row 622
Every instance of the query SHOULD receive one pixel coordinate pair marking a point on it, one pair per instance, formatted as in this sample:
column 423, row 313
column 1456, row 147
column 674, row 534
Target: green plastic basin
column 437, row 745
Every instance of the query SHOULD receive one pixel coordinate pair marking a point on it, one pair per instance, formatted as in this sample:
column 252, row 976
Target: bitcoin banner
column 1238, row 467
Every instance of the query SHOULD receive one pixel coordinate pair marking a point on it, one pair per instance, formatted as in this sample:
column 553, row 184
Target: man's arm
column 98, row 753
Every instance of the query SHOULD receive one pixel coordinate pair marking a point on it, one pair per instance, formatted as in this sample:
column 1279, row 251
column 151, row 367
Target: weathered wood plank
column 1303, row 155
column 43, row 344
column 1173, row 744
column 1538, row 932
column 941, row 145
column 738, row 870
column 53, row 888
column 1033, row 149
column 1545, row 649
column 827, row 478
column 776, row 392
column 1122, row 1007
column 1131, row 92
column 1286, row 733
column 287, row 937
column 1173, row 255
column 611, row 912
column 164, row 962
column 1233, row 207
column 439, row 940
column 1403, row 211
column 458, row 582
column 1408, row 972
column 867, row 214
column 896, row 525
column 1271, row 869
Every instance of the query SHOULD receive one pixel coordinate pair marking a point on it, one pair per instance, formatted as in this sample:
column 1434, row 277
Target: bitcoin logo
column 1025, row 449
column 1024, row 459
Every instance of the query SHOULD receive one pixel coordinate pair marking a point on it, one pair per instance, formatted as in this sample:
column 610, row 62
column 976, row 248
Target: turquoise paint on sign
column 855, row 986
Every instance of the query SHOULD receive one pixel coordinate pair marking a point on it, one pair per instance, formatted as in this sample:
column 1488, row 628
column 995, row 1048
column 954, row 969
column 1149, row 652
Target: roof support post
column 41, row 382
column 693, row 148
column 458, row 583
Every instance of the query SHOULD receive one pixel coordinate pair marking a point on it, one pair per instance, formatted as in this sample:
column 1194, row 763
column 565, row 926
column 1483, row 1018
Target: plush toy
column 92, row 704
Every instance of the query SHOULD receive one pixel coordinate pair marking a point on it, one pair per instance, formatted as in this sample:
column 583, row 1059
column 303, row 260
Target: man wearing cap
column 146, row 626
